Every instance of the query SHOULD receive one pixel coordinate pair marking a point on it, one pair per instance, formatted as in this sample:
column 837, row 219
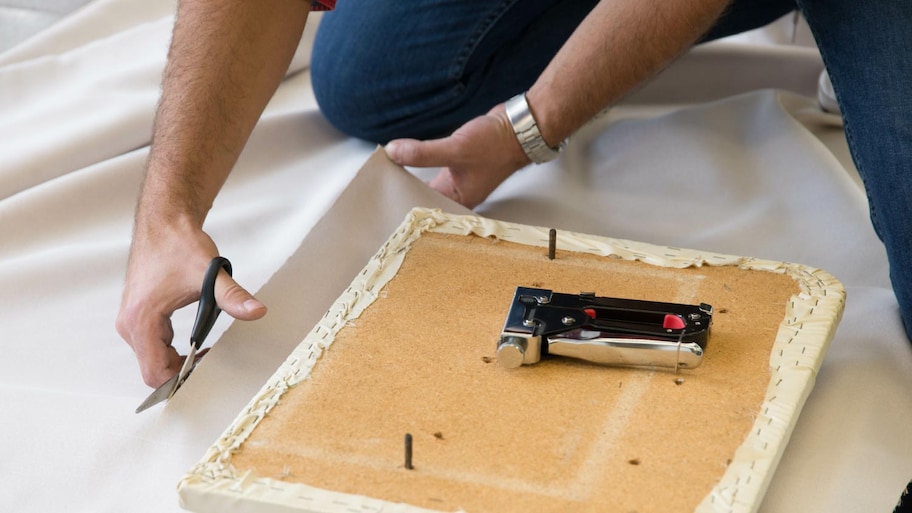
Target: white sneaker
column 825, row 94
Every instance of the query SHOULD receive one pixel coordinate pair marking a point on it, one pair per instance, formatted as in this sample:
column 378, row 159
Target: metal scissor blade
column 166, row 390
column 160, row 394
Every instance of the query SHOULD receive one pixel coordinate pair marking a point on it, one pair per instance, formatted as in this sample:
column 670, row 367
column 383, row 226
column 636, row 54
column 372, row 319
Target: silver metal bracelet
column 527, row 132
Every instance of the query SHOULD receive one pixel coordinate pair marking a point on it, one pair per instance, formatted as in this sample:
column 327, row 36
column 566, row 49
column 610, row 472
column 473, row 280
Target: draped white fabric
column 726, row 152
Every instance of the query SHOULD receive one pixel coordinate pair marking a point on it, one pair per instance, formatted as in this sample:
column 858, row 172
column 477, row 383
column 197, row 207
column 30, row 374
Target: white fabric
column 21, row 19
column 710, row 164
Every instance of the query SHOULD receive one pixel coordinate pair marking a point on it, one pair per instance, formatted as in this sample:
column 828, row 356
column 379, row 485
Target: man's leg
column 384, row 70
column 867, row 50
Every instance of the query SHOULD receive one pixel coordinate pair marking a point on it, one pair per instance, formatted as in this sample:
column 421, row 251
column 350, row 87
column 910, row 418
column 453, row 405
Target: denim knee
column 377, row 78
column 337, row 94
column 378, row 100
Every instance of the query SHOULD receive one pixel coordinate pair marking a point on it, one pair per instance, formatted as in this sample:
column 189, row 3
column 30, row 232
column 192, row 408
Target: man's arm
column 225, row 62
column 617, row 47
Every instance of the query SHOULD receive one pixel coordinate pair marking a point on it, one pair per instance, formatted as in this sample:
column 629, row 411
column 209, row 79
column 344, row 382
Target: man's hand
column 165, row 273
column 477, row 158
column 593, row 69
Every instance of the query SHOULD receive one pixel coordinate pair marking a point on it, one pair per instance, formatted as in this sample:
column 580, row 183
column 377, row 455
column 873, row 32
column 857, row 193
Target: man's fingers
column 433, row 153
column 151, row 341
column 157, row 362
column 444, row 184
column 235, row 301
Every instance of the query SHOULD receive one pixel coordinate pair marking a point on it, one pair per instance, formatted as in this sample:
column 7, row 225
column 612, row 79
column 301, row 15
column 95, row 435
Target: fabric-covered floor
column 728, row 151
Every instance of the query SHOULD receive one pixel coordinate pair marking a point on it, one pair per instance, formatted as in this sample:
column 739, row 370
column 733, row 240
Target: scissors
column 206, row 314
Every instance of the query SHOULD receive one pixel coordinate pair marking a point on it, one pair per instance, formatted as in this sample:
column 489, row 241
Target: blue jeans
column 384, row 69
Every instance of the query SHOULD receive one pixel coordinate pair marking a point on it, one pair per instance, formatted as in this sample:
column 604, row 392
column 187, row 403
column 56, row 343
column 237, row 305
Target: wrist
column 169, row 244
column 161, row 215
column 170, row 196
column 554, row 123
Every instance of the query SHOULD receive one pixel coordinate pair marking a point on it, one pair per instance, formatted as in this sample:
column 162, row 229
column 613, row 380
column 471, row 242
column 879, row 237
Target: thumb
column 431, row 153
column 235, row 301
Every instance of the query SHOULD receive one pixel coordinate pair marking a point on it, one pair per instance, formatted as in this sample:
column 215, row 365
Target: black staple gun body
column 603, row 330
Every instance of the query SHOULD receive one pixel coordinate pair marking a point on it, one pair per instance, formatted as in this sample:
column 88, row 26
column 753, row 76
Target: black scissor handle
column 208, row 310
